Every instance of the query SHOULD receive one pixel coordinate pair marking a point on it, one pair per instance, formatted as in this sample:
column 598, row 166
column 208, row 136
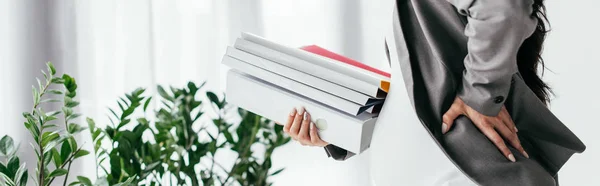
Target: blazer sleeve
column 337, row 153
column 495, row 30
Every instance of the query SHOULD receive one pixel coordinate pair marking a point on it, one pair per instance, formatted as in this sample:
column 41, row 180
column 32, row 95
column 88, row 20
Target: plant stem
column 67, row 175
column 243, row 154
column 41, row 164
column 68, row 167
column 69, row 160
column 39, row 140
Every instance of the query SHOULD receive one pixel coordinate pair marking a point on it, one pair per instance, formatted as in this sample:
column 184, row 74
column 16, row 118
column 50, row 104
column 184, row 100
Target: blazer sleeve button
column 499, row 99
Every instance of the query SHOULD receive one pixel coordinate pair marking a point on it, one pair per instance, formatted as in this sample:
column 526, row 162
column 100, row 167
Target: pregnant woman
column 466, row 106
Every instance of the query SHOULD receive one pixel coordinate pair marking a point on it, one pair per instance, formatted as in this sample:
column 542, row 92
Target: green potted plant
column 176, row 144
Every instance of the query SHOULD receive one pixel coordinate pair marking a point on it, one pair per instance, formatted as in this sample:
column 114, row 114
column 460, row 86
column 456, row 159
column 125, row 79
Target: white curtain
column 112, row 47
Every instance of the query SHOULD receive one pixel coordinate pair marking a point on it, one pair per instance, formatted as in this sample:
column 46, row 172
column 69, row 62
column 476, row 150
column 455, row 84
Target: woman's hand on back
column 495, row 128
column 300, row 127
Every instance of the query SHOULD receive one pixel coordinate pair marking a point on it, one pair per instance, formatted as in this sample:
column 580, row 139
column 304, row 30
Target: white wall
column 571, row 54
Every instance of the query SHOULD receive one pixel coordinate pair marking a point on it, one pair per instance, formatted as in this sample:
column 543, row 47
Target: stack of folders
column 343, row 96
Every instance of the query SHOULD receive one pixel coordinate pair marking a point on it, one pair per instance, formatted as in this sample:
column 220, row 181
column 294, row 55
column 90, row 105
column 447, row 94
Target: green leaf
column 114, row 113
column 81, row 153
column 39, row 84
column 23, row 178
column 53, row 113
column 48, row 137
column 65, row 150
column 147, row 103
column 96, row 134
column 123, row 123
column 47, row 119
column 58, row 172
column 47, row 158
column 164, row 94
column 73, row 143
column 53, row 91
column 69, row 83
column 12, row 166
column 68, row 111
column 91, row 123
column 127, row 112
column 36, row 97
column 57, row 80
column 85, row 181
column 56, row 157
column 3, row 169
column 75, row 128
column 213, row 98
column 69, row 102
column 51, row 68
column 48, row 147
column 73, row 116
column 228, row 136
column 6, row 179
column 6, row 145
column 277, row 172
column 50, row 101
column 129, row 181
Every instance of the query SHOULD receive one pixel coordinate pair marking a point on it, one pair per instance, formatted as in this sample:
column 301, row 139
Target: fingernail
column 516, row 130
column 301, row 112
column 511, row 158
column 307, row 116
column 312, row 126
column 444, row 128
column 293, row 112
column 525, row 154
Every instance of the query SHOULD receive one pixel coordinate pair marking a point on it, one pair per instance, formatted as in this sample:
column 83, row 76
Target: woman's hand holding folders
column 494, row 127
column 302, row 129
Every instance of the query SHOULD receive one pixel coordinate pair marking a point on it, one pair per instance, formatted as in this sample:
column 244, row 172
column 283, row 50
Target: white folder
column 298, row 88
column 352, row 133
column 353, row 82
column 326, row 86
column 347, row 69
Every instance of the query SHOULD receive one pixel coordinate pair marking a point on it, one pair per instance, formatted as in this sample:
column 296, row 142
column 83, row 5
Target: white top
column 402, row 151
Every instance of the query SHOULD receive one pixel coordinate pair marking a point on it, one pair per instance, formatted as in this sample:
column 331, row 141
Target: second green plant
column 177, row 144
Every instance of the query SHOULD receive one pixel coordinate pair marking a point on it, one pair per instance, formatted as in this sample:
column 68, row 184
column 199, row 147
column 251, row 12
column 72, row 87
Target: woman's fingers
column 314, row 136
column 451, row 115
column 301, row 129
column 511, row 137
column 498, row 141
column 288, row 124
column 507, row 119
column 303, row 136
column 295, row 128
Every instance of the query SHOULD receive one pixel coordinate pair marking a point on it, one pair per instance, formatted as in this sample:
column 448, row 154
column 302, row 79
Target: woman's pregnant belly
column 402, row 151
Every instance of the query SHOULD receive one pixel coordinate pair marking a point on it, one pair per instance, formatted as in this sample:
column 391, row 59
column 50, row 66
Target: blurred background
column 113, row 46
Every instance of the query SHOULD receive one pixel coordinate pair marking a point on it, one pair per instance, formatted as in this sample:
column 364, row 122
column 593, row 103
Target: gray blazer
column 468, row 48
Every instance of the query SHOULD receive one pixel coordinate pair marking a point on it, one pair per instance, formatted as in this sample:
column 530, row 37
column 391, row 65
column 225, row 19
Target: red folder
column 326, row 53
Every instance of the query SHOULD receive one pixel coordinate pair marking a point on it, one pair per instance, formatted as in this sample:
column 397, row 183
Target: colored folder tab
column 352, row 133
column 384, row 84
